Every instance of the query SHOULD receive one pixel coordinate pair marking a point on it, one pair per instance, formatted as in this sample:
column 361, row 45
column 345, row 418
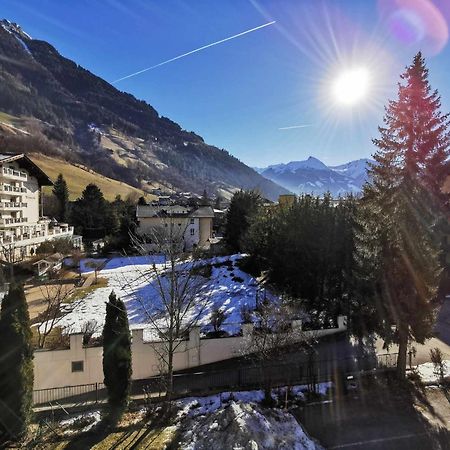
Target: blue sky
column 238, row 94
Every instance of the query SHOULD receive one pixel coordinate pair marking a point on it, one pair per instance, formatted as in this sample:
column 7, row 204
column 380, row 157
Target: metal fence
column 240, row 377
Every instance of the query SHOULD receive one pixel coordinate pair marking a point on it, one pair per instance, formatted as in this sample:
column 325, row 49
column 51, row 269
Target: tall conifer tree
column 116, row 354
column 397, row 239
column 16, row 364
column 61, row 192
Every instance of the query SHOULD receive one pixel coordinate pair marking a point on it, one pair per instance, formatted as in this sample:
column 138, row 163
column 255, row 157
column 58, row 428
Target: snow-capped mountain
column 312, row 176
column 293, row 166
column 357, row 170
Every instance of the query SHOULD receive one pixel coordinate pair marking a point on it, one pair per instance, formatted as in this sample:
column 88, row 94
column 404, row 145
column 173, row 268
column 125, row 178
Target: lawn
column 77, row 178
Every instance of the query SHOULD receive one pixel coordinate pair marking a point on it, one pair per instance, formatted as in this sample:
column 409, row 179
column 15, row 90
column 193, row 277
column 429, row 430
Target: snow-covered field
column 427, row 372
column 228, row 288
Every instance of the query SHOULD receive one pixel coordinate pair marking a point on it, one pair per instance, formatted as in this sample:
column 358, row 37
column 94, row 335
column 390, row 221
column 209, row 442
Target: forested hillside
column 66, row 110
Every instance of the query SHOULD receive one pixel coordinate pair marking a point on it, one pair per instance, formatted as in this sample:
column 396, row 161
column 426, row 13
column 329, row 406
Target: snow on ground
column 231, row 420
column 428, row 373
column 228, row 288
column 236, row 420
column 84, row 422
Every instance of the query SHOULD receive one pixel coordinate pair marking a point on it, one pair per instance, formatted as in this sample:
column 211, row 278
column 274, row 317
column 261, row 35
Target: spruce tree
column 92, row 215
column 16, row 364
column 243, row 207
column 61, row 192
column 397, row 247
column 116, row 354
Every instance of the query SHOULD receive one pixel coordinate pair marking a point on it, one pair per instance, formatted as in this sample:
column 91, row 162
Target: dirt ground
column 35, row 295
column 35, row 292
column 384, row 418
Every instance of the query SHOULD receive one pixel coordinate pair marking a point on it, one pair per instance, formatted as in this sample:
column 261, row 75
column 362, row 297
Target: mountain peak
column 293, row 166
column 313, row 176
column 14, row 28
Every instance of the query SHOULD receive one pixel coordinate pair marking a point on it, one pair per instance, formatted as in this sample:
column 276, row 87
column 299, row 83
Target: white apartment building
column 22, row 228
column 191, row 227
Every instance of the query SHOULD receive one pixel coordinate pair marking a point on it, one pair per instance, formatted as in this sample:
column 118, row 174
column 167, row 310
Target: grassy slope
column 77, row 178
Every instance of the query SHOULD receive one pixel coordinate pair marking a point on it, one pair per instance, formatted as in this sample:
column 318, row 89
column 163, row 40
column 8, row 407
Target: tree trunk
column 402, row 350
column 169, row 382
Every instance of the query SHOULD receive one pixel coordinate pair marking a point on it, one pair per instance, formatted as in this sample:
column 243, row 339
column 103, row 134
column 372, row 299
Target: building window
column 77, row 366
column 192, row 221
column 192, row 231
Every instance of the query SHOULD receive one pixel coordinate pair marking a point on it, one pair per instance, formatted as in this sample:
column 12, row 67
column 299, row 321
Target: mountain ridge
column 312, row 176
column 73, row 114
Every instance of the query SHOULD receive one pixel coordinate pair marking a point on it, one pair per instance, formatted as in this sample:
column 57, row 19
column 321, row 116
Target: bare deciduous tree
column 54, row 295
column 96, row 265
column 218, row 317
column 77, row 257
column 272, row 334
column 10, row 256
column 89, row 328
column 178, row 297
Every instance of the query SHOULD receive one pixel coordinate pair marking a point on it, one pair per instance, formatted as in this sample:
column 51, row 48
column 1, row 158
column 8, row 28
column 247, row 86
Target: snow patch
column 236, row 420
column 427, row 372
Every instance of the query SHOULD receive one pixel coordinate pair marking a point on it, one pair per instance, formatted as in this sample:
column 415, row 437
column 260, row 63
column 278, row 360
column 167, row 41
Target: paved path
column 441, row 339
column 380, row 420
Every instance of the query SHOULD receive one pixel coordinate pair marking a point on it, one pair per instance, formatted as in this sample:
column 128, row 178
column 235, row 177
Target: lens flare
column 416, row 22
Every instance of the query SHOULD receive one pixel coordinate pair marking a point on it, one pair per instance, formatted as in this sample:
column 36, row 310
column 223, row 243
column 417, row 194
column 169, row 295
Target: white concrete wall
column 180, row 227
column 53, row 368
column 205, row 230
column 31, row 197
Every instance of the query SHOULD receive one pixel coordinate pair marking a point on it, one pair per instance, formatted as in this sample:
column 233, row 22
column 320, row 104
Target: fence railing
column 241, row 377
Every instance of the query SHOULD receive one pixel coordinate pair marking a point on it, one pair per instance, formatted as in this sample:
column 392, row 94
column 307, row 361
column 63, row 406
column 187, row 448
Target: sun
column 351, row 86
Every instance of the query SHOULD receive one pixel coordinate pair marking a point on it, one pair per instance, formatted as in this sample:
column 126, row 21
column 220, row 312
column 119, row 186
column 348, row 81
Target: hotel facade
column 22, row 226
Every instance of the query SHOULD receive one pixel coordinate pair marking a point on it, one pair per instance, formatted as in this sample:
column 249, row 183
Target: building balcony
column 13, row 220
column 35, row 238
column 13, row 189
column 14, row 174
column 13, row 205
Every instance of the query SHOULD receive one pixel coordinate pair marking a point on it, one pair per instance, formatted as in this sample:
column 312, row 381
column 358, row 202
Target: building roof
column 26, row 163
column 173, row 211
column 203, row 211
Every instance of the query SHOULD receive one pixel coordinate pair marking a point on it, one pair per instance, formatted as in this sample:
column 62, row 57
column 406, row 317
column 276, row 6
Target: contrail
column 194, row 51
column 296, row 126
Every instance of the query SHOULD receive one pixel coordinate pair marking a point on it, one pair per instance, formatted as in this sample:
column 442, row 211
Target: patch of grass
column 78, row 178
column 84, row 292
column 120, row 438
column 7, row 118
column 137, row 438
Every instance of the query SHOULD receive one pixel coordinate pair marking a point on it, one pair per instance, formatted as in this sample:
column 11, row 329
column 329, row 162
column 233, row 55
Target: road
column 381, row 419
column 441, row 339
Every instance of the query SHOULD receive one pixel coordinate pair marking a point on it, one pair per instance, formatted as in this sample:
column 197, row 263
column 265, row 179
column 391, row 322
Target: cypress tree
column 61, row 192
column 116, row 354
column 397, row 247
column 16, row 364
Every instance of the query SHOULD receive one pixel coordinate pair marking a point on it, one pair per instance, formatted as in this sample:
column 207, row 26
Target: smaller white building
column 190, row 227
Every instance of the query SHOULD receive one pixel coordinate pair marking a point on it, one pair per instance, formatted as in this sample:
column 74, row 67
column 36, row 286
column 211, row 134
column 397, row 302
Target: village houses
column 191, row 227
